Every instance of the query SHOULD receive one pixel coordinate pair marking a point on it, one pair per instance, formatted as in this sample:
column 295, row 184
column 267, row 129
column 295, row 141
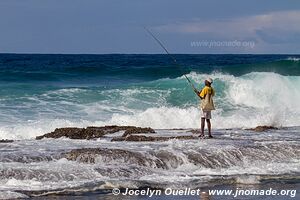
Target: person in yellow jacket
column 207, row 105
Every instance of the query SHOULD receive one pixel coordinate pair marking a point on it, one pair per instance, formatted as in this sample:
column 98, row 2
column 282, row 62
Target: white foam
column 255, row 99
column 248, row 179
column 48, row 175
column 296, row 59
column 254, row 168
column 12, row 195
column 161, row 117
column 31, row 129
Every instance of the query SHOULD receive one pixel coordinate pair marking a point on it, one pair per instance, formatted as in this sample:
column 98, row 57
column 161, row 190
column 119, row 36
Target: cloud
column 278, row 36
column 273, row 27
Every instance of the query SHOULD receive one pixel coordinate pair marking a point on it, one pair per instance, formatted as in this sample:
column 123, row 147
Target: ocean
column 40, row 92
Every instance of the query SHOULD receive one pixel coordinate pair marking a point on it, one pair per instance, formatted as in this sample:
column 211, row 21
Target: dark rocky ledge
column 262, row 128
column 137, row 130
column 143, row 138
column 194, row 131
column 94, row 132
column 6, row 141
column 89, row 155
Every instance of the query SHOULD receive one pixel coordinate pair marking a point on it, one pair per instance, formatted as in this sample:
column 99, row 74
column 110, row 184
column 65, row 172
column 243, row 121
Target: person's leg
column 202, row 126
column 209, row 127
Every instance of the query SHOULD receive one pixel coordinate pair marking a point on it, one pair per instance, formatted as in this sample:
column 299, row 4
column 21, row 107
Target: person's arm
column 198, row 93
column 202, row 93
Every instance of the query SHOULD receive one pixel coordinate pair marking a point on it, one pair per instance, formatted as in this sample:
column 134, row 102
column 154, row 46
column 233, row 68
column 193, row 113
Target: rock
column 6, row 141
column 89, row 155
column 160, row 159
column 73, row 133
column 93, row 132
column 137, row 130
column 194, row 131
column 262, row 128
column 143, row 138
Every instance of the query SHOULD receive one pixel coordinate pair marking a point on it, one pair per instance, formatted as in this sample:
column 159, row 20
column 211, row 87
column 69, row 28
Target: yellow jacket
column 206, row 94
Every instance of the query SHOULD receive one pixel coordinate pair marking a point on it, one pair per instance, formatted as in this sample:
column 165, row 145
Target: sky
column 116, row 26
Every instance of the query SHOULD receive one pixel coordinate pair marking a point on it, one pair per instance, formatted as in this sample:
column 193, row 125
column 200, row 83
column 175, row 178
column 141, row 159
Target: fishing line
column 173, row 59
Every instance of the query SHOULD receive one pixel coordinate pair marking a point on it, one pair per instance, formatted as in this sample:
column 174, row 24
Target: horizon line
column 149, row 54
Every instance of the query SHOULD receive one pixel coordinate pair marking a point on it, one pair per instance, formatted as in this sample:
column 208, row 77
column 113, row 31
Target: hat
column 209, row 80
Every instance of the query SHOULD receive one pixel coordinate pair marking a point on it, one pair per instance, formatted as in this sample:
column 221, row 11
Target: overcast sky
column 116, row 26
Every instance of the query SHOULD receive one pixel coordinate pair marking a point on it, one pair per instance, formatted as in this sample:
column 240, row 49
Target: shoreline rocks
column 94, row 132
column 6, row 141
column 262, row 128
column 143, row 138
column 130, row 133
column 90, row 155
column 137, row 130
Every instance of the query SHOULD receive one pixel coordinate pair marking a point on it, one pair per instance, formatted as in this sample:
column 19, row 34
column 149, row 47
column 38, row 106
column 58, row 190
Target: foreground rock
column 143, row 138
column 6, row 141
column 94, row 132
column 137, row 130
column 262, row 128
column 161, row 159
column 90, row 155
column 194, row 131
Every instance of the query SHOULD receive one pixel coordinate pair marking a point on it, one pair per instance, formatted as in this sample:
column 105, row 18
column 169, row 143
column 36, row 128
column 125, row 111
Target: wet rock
column 137, row 130
column 134, row 172
column 73, row 133
column 93, row 132
column 213, row 160
column 143, row 138
column 90, row 155
column 194, row 131
column 6, row 141
column 262, row 128
column 169, row 159
column 26, row 158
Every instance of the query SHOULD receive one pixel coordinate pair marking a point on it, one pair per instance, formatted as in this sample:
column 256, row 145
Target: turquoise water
column 41, row 92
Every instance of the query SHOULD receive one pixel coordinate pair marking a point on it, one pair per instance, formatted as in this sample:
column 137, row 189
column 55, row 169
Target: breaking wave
column 257, row 98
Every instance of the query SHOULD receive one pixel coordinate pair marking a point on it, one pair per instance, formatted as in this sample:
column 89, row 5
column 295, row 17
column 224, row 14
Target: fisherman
column 206, row 94
column 207, row 105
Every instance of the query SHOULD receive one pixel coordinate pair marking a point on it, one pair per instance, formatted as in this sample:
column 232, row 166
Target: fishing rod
column 173, row 59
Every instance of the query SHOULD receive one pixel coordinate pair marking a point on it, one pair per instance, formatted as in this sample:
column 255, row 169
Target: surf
column 257, row 98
